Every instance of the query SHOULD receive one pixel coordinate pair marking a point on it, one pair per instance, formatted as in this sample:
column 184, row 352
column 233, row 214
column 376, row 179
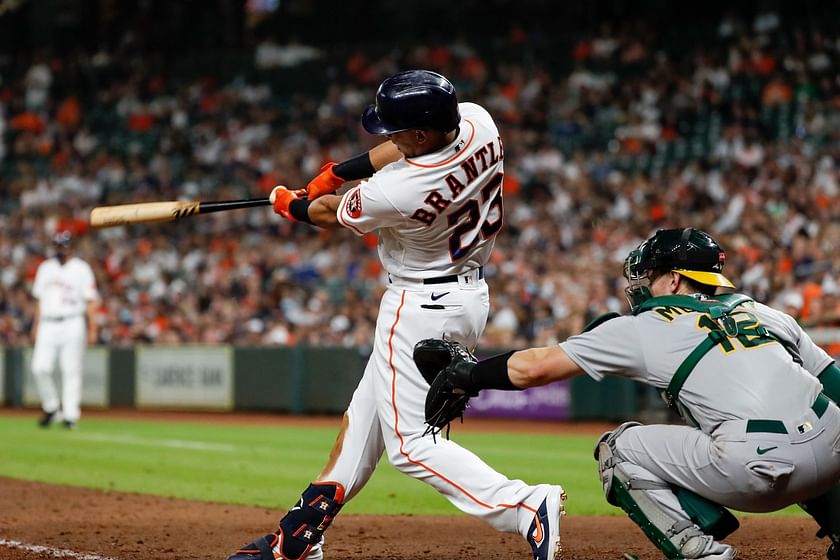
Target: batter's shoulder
column 474, row 111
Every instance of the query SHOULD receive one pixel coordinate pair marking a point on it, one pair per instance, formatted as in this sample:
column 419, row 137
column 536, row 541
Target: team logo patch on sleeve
column 354, row 204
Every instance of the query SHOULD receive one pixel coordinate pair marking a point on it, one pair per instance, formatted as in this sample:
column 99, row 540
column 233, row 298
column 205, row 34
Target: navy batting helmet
column 413, row 99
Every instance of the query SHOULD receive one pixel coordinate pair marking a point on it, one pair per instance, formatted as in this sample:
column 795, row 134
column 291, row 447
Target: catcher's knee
column 674, row 535
column 605, row 455
column 304, row 524
column 608, row 438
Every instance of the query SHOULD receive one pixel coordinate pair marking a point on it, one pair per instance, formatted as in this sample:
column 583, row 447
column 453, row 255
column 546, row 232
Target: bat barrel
column 157, row 212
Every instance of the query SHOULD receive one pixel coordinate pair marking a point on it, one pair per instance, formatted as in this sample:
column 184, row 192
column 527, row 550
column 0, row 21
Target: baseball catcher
column 758, row 395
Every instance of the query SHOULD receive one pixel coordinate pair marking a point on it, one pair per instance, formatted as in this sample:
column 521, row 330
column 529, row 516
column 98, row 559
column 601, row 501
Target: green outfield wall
column 291, row 380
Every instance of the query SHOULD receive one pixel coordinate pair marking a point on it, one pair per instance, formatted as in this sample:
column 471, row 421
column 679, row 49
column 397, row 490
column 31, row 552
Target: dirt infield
column 99, row 525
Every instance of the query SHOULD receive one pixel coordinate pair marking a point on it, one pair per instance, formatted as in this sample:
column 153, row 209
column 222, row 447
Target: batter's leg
column 355, row 454
column 43, row 363
column 458, row 474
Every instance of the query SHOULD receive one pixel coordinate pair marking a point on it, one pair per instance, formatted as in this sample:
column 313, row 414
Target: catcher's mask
column 686, row 251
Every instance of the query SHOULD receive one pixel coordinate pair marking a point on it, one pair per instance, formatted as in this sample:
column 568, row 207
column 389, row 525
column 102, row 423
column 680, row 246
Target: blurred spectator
column 737, row 134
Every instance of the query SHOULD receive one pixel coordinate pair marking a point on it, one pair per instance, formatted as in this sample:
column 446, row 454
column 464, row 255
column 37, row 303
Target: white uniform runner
column 63, row 292
column 437, row 216
column 739, row 398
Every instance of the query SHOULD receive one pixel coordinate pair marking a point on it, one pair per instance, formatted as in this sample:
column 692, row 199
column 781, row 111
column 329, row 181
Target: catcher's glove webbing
column 446, row 366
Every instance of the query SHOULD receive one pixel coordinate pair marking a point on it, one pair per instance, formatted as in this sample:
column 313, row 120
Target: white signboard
column 184, row 376
column 94, row 379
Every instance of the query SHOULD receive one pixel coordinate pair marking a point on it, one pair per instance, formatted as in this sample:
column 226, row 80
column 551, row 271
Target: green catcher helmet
column 687, row 251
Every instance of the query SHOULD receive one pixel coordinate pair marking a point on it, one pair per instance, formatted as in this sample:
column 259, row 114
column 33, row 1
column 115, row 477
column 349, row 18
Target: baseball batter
column 758, row 394
column 434, row 195
column 65, row 288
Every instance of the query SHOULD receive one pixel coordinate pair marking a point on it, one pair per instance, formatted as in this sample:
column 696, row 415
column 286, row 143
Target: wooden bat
column 157, row 212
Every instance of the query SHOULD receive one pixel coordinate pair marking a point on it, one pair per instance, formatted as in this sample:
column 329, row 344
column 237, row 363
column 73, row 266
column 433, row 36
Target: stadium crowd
column 739, row 136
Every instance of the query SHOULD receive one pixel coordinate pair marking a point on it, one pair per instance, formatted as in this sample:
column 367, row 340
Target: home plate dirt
column 40, row 522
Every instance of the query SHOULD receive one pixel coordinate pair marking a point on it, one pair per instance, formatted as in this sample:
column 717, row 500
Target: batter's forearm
column 322, row 212
column 364, row 165
column 383, row 154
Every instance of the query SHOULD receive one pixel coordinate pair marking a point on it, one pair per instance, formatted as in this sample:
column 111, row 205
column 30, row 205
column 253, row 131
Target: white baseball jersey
column 64, row 290
column 63, row 293
column 765, row 435
column 439, row 213
column 437, row 216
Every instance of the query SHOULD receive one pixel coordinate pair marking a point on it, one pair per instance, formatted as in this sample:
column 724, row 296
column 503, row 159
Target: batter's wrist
column 299, row 209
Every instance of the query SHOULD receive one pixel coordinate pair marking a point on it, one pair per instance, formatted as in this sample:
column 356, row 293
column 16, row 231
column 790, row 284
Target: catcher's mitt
column 446, row 366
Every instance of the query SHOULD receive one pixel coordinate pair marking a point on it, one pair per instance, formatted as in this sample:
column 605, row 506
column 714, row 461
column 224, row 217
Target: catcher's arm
column 529, row 368
column 455, row 376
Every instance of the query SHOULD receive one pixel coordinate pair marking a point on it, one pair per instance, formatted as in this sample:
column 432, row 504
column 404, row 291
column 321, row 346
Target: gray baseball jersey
column 760, row 414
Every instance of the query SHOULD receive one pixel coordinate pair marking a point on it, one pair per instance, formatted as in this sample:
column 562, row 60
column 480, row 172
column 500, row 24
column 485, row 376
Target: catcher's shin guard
column 677, row 537
column 713, row 519
column 301, row 528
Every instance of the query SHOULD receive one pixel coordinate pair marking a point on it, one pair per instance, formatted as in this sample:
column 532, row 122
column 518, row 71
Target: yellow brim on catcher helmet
column 707, row 278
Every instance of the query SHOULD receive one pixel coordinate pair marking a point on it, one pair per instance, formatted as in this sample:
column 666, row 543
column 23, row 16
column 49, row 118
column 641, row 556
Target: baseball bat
column 157, row 212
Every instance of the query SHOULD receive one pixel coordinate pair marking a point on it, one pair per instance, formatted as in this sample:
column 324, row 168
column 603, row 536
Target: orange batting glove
column 280, row 198
column 327, row 182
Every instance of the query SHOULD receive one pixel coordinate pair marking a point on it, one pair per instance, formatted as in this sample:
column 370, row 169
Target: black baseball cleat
column 260, row 549
column 833, row 552
column 69, row 424
column 270, row 547
column 46, row 419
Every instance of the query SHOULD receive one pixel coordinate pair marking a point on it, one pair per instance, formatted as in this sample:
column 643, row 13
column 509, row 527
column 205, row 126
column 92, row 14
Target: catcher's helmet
column 413, row 99
column 687, row 251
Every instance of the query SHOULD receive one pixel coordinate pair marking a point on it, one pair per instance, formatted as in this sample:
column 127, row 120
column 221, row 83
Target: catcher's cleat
column 270, row 547
column 544, row 533
column 46, row 419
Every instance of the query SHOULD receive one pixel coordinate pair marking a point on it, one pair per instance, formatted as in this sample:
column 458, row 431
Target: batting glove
column 281, row 198
column 327, row 182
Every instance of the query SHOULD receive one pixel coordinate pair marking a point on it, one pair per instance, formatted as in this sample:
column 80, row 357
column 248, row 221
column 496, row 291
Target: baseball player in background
column 65, row 288
column 758, row 394
column 434, row 195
